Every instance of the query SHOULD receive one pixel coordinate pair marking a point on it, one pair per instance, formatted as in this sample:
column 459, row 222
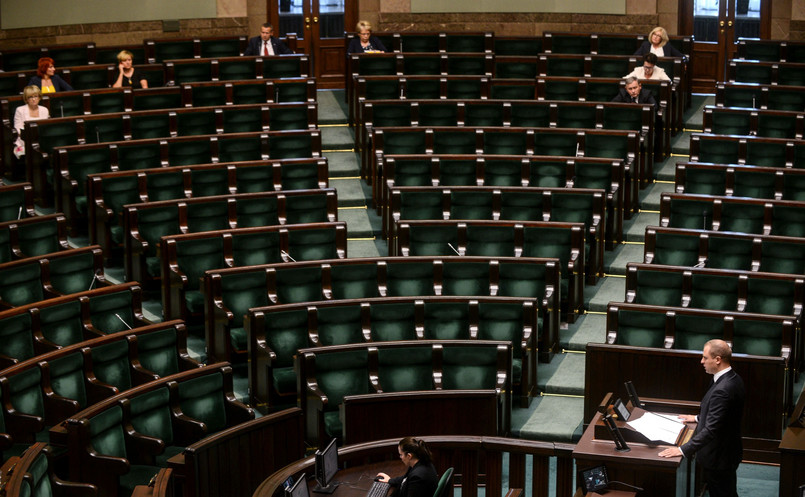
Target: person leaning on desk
column 421, row 479
column 717, row 440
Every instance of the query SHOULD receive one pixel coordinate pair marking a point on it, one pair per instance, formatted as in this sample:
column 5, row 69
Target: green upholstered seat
column 110, row 364
column 312, row 244
column 16, row 339
column 404, row 142
column 565, row 67
column 190, row 71
column 112, row 312
column 263, row 211
column 594, row 175
column 21, row 284
column 426, row 204
column 207, row 216
column 285, row 333
column 25, row 392
column 788, row 220
column 249, row 249
column 515, row 69
column 691, row 214
column 231, row 149
column 676, row 249
column 504, row 322
column 150, row 415
column 354, row 281
column 229, row 70
column 299, row 177
column 254, row 93
column 201, row 122
column 469, row 368
column 39, row 238
column 447, row 320
column 203, row 399
column 548, row 174
column 517, row 46
column 382, row 90
column 465, row 278
column 73, row 273
column 502, row 89
column 718, row 151
column 12, row 205
column 83, row 162
column 483, row 114
column 729, row 253
column 420, row 42
column 299, row 284
column 519, row 279
column 469, row 204
column 152, row 225
column 405, row 369
column 526, row 116
column 771, row 296
column 62, row 324
column 209, row 182
column 659, row 287
column 239, row 293
column 286, row 91
column 154, row 101
column 572, row 208
column 422, row 64
column 776, row 126
column 453, row 142
column 158, row 352
column 731, row 123
column 490, row 240
column 455, row 172
column 502, row 172
column 782, row 257
column 556, row 143
column 193, row 257
column 437, row 114
column 460, row 43
column 755, row 337
column 280, row 119
column 792, row 100
column 339, row 374
column 404, row 278
column 576, row 117
column 508, row 142
column 37, row 480
column 103, row 130
column 609, row 68
column 433, row 240
column 5, row 245
column 691, row 332
column 210, row 96
column 338, row 325
column 282, row 67
column 107, row 438
column 117, row 192
column 67, row 377
column 522, row 206
column 173, row 49
column 640, row 329
column 715, row 292
column 165, row 185
column 185, row 153
column 706, row 181
column 464, row 89
column 140, row 156
column 751, row 73
column 254, row 179
column 790, row 75
column 311, row 208
column 57, row 134
column 289, row 146
column 472, row 65
column 391, row 114
column 392, row 321
column 766, row 154
column 741, row 217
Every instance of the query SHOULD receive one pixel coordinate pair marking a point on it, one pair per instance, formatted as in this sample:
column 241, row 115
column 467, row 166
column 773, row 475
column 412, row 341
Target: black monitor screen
column 299, row 489
column 326, row 467
column 594, row 479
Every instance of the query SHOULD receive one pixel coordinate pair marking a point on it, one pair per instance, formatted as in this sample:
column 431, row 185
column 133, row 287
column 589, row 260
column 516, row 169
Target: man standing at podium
column 717, row 440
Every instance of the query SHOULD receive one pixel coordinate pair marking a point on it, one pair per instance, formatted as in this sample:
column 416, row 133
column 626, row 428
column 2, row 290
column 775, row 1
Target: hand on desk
column 688, row 418
column 671, row 452
column 382, row 477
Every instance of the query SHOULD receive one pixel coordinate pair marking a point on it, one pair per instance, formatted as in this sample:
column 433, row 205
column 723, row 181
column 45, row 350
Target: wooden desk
column 792, row 452
column 641, row 466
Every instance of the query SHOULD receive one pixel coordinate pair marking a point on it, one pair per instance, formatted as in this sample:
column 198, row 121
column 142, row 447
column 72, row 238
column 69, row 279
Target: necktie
column 634, row 100
column 265, row 48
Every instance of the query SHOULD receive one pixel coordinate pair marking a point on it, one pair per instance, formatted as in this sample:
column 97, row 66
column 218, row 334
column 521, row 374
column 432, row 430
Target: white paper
column 657, row 428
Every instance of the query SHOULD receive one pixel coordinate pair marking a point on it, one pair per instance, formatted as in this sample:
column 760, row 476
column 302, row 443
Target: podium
column 641, row 466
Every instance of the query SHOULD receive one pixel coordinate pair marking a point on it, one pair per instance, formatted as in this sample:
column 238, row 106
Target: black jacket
column 645, row 97
column 419, row 481
column 256, row 47
column 717, row 440
column 668, row 50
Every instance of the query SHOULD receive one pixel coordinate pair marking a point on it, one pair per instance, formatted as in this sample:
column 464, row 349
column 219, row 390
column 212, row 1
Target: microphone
column 121, row 320
column 276, row 94
column 98, row 135
column 61, row 107
column 704, row 219
column 19, row 214
column 639, row 489
column 286, row 254
column 454, row 249
column 92, row 283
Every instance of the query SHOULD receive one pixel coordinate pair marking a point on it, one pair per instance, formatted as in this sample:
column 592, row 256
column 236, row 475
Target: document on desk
column 657, row 428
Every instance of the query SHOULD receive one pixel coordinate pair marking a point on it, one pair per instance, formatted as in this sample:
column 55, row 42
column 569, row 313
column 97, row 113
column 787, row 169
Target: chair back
column 445, row 486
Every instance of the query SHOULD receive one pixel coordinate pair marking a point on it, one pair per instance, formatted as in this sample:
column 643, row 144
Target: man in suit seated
column 633, row 92
column 717, row 440
column 266, row 44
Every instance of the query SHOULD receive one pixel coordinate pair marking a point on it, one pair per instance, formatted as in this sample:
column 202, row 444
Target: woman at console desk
column 365, row 42
column 420, row 480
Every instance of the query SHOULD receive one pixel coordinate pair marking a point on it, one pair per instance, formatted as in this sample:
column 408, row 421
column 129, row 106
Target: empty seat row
column 735, row 180
column 230, row 293
column 32, row 236
column 124, row 441
column 277, row 334
column 186, row 257
column 47, row 389
column 724, row 250
column 766, row 73
column 16, row 202
column 32, row 279
column 753, row 150
column 62, row 321
column 757, row 96
column 108, row 192
column 144, row 224
column 767, row 123
column 328, row 374
column 744, row 215
column 174, row 151
column 770, row 50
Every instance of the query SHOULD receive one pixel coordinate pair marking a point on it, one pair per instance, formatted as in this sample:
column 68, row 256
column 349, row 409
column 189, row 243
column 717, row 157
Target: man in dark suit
column 633, row 92
column 717, row 440
column 266, row 44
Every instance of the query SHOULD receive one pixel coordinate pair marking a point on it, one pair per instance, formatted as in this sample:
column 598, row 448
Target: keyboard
column 378, row 489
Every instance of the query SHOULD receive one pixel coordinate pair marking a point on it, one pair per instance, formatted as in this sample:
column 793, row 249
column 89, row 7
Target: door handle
column 307, row 21
column 315, row 19
column 729, row 23
column 720, row 23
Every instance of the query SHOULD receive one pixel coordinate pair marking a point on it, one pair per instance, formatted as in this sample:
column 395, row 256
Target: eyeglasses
column 648, row 68
column 33, row 97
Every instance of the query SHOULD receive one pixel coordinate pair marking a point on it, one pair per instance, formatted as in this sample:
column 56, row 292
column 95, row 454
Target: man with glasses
column 649, row 69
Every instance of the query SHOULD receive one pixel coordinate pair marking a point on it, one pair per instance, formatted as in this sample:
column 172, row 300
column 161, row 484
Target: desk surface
column 355, row 482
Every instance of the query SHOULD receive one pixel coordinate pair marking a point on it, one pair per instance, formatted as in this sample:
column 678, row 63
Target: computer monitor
column 326, row 468
column 298, row 489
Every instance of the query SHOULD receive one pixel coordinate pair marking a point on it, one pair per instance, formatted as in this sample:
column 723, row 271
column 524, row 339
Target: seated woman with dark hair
column 46, row 78
column 365, row 42
column 421, row 479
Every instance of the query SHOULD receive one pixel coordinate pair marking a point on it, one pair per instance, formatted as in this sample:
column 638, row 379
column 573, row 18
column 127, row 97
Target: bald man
column 717, row 440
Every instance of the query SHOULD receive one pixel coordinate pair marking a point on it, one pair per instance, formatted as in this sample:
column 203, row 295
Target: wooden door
column 716, row 25
column 319, row 26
